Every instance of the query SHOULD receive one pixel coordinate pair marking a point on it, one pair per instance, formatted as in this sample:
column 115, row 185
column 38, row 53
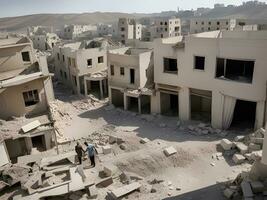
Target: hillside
column 57, row 20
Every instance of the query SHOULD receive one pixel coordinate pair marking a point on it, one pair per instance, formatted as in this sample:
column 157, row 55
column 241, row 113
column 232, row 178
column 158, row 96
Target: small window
column 112, row 70
column 202, row 23
column 122, row 71
column 31, row 97
column 166, row 23
column 100, row 59
column 209, row 23
column 227, row 23
column 122, row 29
column 89, row 62
column 170, row 65
column 65, row 75
column 199, row 62
column 166, row 29
column 218, row 23
column 63, row 58
column 26, row 56
column 177, row 28
column 196, row 23
column 58, row 56
column 132, row 76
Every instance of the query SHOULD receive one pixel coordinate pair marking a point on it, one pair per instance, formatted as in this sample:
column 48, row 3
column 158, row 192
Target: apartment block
column 83, row 66
column 223, row 84
column 200, row 25
column 128, row 29
column 107, row 30
column 71, row 32
column 42, row 37
column 25, row 83
column 248, row 24
column 130, row 75
column 164, row 28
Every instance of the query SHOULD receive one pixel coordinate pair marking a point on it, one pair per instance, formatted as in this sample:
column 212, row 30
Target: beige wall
column 204, row 25
column 12, row 102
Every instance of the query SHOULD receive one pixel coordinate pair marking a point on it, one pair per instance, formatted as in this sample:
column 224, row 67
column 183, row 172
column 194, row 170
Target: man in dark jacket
column 79, row 150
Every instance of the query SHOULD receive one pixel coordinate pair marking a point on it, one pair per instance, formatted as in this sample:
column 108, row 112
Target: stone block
column 106, row 149
column 92, row 192
column 257, row 140
column 242, row 147
column 144, row 140
column 170, row 151
column 254, row 147
column 124, row 190
column 112, row 139
column 239, row 138
column 104, row 182
column 110, row 169
column 246, row 190
column 238, row 158
column 226, row 144
column 228, row 193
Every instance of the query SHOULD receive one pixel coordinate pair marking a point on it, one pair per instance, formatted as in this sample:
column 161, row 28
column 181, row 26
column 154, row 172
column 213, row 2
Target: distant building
column 43, row 38
column 204, row 25
column 219, row 5
column 107, row 30
column 71, row 32
column 248, row 24
column 82, row 66
column 128, row 29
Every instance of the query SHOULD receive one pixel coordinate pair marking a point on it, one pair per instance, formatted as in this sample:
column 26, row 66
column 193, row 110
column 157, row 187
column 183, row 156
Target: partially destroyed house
column 83, row 66
column 25, row 90
column 128, row 29
column 131, row 78
column 43, row 38
column 73, row 31
column 217, row 77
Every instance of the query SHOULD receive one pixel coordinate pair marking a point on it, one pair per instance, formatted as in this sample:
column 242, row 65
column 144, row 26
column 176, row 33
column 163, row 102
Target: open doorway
column 244, row 114
column 38, row 142
column 145, row 104
column 169, row 104
column 117, row 98
column 200, row 105
column 132, row 104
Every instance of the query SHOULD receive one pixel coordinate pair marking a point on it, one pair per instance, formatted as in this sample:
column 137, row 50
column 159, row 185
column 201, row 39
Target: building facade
column 200, row 25
column 71, row 32
column 128, row 29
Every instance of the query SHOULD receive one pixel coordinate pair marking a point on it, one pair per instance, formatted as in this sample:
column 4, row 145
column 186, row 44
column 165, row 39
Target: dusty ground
column 192, row 172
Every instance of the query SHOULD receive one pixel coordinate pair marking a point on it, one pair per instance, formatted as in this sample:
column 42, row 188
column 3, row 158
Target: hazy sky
column 23, row 7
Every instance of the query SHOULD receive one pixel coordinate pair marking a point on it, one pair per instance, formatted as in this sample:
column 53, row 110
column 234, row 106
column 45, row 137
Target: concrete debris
column 239, row 138
column 110, row 170
column 242, row 147
column 257, row 186
column 123, row 147
column 104, row 182
column 33, row 125
column 124, row 190
column 226, row 144
column 169, row 151
column 228, row 193
column 238, row 158
column 106, row 149
column 92, row 192
column 144, row 140
column 246, row 189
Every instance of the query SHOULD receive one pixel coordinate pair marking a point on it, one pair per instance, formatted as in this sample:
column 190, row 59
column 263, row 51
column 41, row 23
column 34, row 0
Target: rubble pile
column 203, row 129
column 244, row 148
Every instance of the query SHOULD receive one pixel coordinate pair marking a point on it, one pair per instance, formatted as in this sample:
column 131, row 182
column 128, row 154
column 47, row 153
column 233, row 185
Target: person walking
column 90, row 148
column 79, row 150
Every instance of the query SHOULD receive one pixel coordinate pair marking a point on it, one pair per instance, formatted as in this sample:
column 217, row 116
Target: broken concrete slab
column 257, row 140
column 226, row 144
column 104, row 182
column 33, row 182
column 238, row 158
column 106, row 149
column 246, row 189
column 239, row 138
column 124, row 190
column 170, row 151
column 228, row 193
column 257, row 186
column 33, row 125
column 92, row 192
column 54, row 159
column 144, row 140
column 242, row 147
column 110, row 169
column 254, row 147
column 78, row 181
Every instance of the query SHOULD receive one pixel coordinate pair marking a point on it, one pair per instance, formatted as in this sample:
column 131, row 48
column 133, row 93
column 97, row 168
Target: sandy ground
column 193, row 169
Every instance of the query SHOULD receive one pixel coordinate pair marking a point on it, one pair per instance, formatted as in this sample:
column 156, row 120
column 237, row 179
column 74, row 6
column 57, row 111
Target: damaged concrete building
column 43, row 38
column 223, row 84
column 83, row 66
column 129, row 29
column 73, row 31
column 131, row 78
column 25, row 90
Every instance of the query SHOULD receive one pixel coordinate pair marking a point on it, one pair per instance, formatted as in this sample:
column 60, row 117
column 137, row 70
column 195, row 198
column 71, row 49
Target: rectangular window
column 100, row 59
column 63, row 58
column 26, row 56
column 89, row 62
column 170, row 65
column 132, row 76
column 65, row 75
column 199, row 62
column 236, row 70
column 69, row 61
column 58, row 56
column 122, row 29
column 112, row 70
column 122, row 71
column 177, row 28
column 31, row 97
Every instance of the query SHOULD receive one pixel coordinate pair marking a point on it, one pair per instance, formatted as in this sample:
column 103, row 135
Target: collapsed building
column 131, row 78
column 43, row 38
column 25, row 92
column 73, row 31
column 217, row 77
column 83, row 66
column 129, row 29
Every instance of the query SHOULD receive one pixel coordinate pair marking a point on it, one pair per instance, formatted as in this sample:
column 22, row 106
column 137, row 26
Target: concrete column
column 139, row 105
column 101, row 89
column 184, row 104
column 85, row 88
column 155, row 101
column 28, row 142
column 264, row 148
column 217, row 106
column 125, row 101
column 259, row 115
column 105, row 86
column 110, row 95
column 78, row 85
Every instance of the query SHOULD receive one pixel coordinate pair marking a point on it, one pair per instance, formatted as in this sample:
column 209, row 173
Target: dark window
column 177, row 28
column 196, row 23
column 30, row 97
column 100, row 59
column 166, row 29
column 132, row 76
column 161, row 35
column 112, row 70
column 74, row 80
column 65, row 75
column 166, row 23
column 209, row 23
column 61, row 73
column 161, row 23
column 89, row 62
column 122, row 29
column 218, row 23
column 63, row 58
column 26, row 56
column 122, row 71
column 202, row 23
column 58, row 56
column 209, row 28
column 237, row 70
column 170, row 65
column 226, row 23
column 199, row 62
